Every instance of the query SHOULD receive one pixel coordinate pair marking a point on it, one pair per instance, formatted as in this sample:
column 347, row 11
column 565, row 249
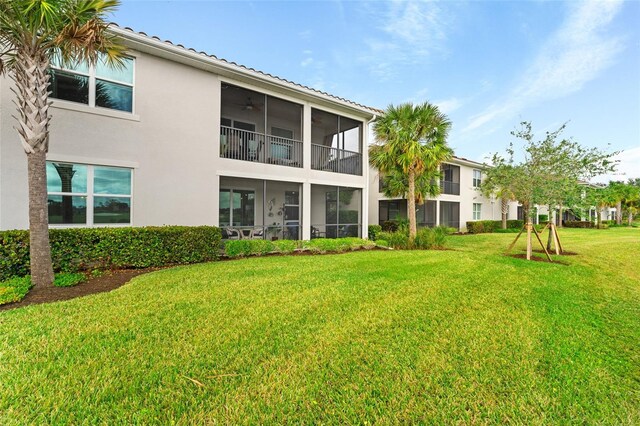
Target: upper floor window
column 477, row 178
column 81, row 194
column 450, row 179
column 477, row 211
column 96, row 85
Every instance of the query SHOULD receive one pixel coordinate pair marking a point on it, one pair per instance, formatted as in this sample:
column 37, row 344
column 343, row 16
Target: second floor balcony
column 265, row 129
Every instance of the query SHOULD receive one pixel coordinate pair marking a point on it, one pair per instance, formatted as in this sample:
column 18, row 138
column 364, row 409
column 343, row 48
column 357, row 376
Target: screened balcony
column 450, row 181
column 260, row 128
column 336, row 143
column 259, row 209
column 336, row 212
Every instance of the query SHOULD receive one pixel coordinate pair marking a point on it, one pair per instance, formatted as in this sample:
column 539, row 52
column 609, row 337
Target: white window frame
column 91, row 74
column 477, row 211
column 477, row 181
column 90, row 195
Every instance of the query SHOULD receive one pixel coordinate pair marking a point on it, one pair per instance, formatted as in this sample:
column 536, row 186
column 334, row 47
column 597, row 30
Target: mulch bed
column 553, row 252
column 107, row 282
column 537, row 259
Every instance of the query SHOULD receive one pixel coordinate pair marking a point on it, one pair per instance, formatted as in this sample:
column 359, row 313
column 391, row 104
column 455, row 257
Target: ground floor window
column 82, row 194
column 237, row 207
column 426, row 214
column 391, row 210
column 450, row 214
column 477, row 211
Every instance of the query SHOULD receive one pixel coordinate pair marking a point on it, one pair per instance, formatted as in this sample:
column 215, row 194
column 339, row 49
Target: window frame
column 92, row 76
column 477, row 181
column 90, row 195
column 477, row 211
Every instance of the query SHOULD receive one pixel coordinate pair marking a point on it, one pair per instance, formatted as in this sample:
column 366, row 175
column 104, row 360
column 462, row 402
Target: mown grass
column 458, row 336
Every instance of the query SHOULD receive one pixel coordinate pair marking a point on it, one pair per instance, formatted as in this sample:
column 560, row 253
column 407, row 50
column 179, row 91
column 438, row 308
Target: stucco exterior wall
column 171, row 141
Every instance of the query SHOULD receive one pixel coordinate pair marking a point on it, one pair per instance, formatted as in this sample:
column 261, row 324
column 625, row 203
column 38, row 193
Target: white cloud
column 447, row 106
column 628, row 166
column 306, row 62
column 576, row 54
column 410, row 31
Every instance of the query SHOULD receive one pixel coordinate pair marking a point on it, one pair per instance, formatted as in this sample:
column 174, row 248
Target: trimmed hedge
column 245, row 248
column 483, row 226
column 426, row 238
column 374, row 230
column 80, row 249
column 577, row 224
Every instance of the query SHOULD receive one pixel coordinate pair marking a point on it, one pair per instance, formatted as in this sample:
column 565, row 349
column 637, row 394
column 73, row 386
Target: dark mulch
column 107, row 282
column 537, row 259
column 564, row 253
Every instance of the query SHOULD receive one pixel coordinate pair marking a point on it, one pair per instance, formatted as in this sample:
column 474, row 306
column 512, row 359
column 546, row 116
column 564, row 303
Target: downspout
column 365, row 195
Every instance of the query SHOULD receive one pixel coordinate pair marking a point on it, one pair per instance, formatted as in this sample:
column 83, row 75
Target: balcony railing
column 259, row 147
column 336, row 160
column 447, row 187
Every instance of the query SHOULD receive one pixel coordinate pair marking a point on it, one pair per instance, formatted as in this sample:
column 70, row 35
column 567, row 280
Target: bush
column 337, row 245
column 543, row 218
column 80, row 249
column 425, row 238
column 374, row 230
column 285, row 246
column 68, row 280
column 397, row 240
column 382, row 243
column 440, row 235
column 577, row 224
column 514, row 224
column 482, row 226
column 241, row 248
column 14, row 289
column 390, row 226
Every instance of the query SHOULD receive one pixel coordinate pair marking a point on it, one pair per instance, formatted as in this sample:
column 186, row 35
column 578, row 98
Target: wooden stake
column 542, row 245
column 529, row 226
column 515, row 241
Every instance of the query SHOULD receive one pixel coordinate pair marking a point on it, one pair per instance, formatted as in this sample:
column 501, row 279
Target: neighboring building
column 178, row 137
column 460, row 199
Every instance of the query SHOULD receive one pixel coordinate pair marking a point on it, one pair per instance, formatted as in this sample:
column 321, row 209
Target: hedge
column 482, row 226
column 245, row 248
column 80, row 249
column 374, row 230
column 577, row 224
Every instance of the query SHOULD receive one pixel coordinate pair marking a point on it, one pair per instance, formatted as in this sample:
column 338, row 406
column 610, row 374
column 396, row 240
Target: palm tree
column 31, row 33
column 411, row 142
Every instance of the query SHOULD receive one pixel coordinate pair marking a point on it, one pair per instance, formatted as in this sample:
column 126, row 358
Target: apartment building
column 460, row 199
column 179, row 137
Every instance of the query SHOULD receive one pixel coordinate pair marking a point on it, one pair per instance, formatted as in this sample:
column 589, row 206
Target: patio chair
column 232, row 233
column 258, row 233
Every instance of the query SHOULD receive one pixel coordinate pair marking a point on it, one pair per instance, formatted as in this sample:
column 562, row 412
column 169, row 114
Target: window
column 450, row 214
column 450, row 180
column 95, row 85
column 477, row 178
column 80, row 194
column 237, row 207
column 477, row 211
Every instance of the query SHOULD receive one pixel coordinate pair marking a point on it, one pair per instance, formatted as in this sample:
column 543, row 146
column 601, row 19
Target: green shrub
column 390, row 226
column 14, row 289
column 68, row 279
column 337, row 245
column 482, row 226
column 241, row 248
column 577, row 224
column 440, row 236
column 543, row 218
column 80, row 249
column 514, row 224
column 382, row 243
column 374, row 230
column 425, row 238
column 397, row 240
column 285, row 246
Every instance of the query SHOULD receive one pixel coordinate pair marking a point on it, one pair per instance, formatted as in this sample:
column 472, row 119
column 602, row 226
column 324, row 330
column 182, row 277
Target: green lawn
column 459, row 336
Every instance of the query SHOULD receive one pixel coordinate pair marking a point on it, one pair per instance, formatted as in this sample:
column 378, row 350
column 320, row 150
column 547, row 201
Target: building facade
column 459, row 202
column 178, row 137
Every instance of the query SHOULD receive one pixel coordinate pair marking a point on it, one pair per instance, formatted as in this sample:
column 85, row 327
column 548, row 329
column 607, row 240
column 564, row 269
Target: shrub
column 80, row 249
column 397, row 240
column 14, row 289
column 577, row 224
column 440, row 235
column 382, row 243
column 240, row 248
column 285, row 246
column 543, row 218
column 337, row 245
column 68, row 280
column 425, row 238
column 374, row 230
column 390, row 226
column 514, row 224
column 482, row 226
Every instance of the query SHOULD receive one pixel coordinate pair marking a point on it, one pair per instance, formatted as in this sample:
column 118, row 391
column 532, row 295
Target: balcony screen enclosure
column 336, row 212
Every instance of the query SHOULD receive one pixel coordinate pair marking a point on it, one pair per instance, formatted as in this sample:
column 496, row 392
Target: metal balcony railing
column 259, row 147
column 447, row 187
column 336, row 160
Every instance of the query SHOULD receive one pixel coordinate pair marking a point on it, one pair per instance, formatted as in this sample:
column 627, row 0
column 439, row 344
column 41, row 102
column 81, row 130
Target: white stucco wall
column 171, row 141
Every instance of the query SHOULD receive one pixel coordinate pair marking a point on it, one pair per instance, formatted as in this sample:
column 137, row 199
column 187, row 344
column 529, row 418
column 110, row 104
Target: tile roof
column 245, row 68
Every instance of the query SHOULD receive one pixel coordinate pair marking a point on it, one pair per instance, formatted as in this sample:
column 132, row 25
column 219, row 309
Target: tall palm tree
column 32, row 32
column 411, row 141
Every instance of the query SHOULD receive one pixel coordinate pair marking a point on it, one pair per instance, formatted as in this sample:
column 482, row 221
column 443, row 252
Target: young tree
column 499, row 180
column 411, row 142
column 31, row 33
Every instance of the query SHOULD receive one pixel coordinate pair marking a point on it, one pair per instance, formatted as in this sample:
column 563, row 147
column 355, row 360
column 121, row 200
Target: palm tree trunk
column 619, row 212
column 413, row 230
column 32, row 99
column 505, row 211
column 40, row 251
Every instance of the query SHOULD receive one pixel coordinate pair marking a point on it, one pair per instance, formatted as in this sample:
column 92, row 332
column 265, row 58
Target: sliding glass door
column 237, row 207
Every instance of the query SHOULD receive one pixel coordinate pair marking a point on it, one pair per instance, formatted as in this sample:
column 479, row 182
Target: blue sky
column 488, row 65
